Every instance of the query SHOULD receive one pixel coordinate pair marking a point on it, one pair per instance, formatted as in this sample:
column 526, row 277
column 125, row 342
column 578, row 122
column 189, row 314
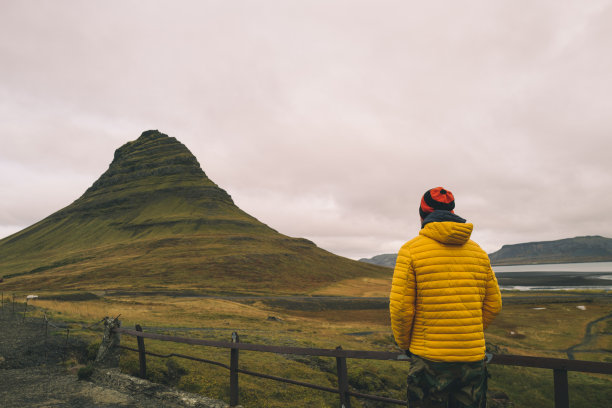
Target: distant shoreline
column 555, row 279
column 547, row 263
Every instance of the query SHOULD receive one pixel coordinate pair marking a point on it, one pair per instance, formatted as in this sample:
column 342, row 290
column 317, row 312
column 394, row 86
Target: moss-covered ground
column 537, row 328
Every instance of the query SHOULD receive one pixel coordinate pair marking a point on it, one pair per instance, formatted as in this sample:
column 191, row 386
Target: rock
column 136, row 386
column 498, row 399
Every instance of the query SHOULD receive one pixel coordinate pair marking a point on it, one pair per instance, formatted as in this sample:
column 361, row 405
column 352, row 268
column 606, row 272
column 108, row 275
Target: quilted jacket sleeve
column 402, row 299
column 492, row 302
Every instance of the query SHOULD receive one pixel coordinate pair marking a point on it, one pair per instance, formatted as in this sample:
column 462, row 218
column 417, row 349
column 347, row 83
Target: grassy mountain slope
column 155, row 220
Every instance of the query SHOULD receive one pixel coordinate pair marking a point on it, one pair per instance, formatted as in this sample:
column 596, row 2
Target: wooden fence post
column 561, row 388
column 25, row 310
column 46, row 334
column 141, row 354
column 46, row 323
column 65, row 353
column 234, row 372
column 345, row 398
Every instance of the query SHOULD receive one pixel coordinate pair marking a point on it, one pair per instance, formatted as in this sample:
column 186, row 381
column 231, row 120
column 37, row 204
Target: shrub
column 92, row 350
column 174, row 372
column 85, row 373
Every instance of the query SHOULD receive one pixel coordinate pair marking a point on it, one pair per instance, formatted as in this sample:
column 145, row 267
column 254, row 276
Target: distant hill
column 387, row 260
column 578, row 249
column 155, row 221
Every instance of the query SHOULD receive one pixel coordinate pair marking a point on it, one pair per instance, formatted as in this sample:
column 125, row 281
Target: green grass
column 560, row 327
column 533, row 387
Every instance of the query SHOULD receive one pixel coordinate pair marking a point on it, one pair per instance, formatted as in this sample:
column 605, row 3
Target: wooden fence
column 559, row 366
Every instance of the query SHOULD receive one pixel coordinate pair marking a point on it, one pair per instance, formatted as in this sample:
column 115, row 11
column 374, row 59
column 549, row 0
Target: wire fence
column 560, row 367
column 37, row 337
column 28, row 337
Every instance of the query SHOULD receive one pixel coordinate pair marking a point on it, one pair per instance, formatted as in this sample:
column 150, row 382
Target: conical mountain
column 155, row 221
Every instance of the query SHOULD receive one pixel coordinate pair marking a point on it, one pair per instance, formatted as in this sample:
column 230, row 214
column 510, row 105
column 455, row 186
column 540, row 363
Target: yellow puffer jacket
column 444, row 294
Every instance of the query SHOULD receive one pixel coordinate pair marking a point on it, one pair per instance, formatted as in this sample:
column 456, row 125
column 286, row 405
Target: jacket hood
column 447, row 228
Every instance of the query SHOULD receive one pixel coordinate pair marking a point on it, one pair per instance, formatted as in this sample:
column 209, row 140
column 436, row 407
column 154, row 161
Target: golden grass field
column 537, row 328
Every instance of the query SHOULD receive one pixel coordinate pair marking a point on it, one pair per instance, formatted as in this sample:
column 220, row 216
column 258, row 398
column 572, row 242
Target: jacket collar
column 441, row 216
column 447, row 228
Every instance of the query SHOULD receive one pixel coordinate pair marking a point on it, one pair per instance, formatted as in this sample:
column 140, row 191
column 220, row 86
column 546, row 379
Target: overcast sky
column 323, row 119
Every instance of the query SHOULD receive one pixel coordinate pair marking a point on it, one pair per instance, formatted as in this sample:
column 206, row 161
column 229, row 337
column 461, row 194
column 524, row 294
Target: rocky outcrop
column 578, row 249
column 570, row 250
column 157, row 394
column 387, row 260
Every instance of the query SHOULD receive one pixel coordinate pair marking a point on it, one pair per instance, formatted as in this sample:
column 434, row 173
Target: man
column 444, row 294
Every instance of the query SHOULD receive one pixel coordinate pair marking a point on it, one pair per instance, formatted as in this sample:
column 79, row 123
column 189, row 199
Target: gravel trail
column 32, row 374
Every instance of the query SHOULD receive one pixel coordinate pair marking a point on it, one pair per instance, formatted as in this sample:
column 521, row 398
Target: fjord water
column 563, row 276
column 584, row 267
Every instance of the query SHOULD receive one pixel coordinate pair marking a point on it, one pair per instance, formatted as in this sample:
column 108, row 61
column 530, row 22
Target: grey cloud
column 323, row 119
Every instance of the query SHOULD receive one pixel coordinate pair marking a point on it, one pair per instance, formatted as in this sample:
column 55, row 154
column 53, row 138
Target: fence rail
column 559, row 366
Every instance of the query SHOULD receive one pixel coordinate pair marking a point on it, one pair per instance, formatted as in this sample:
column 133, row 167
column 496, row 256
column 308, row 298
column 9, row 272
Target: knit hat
column 436, row 199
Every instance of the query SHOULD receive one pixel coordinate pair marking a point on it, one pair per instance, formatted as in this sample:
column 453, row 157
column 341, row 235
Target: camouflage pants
column 446, row 385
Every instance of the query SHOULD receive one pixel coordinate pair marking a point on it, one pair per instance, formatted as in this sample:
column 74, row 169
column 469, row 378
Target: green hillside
column 154, row 220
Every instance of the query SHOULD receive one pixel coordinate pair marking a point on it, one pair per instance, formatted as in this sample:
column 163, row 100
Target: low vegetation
column 535, row 328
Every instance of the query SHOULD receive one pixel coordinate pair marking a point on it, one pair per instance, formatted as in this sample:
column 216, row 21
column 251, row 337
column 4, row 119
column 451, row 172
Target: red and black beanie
column 436, row 199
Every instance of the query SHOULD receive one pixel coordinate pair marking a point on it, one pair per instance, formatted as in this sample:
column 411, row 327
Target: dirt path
column 56, row 387
column 32, row 374
column 588, row 337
